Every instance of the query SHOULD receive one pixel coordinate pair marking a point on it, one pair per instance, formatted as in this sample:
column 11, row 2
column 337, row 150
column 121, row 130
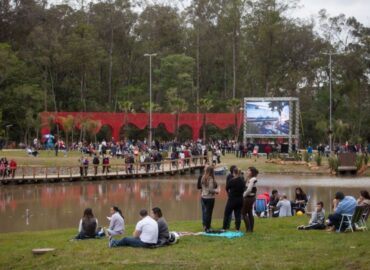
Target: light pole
column 330, row 98
column 150, row 55
column 7, row 127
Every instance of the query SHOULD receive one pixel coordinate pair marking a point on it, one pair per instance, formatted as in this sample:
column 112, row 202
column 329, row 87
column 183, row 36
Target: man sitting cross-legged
column 145, row 234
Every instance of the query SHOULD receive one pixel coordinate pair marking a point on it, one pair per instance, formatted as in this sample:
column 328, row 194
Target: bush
column 359, row 161
column 333, row 163
column 306, row 156
column 318, row 159
column 366, row 159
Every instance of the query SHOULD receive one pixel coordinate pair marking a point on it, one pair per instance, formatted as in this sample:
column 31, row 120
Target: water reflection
column 52, row 206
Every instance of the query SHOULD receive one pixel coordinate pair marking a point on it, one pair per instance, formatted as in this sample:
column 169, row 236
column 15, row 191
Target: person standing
column 13, row 167
column 209, row 190
column 96, row 162
column 235, row 188
column 249, row 199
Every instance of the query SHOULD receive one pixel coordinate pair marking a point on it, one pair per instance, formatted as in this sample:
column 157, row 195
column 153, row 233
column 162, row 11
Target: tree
column 177, row 106
column 126, row 106
column 205, row 105
column 68, row 124
column 234, row 107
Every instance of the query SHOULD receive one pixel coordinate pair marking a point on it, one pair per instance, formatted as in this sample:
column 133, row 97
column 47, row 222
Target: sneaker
column 301, row 227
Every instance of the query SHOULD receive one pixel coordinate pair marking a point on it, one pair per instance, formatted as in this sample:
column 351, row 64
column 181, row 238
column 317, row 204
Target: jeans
column 129, row 242
column 203, row 213
column 247, row 213
column 233, row 205
column 207, row 211
column 334, row 220
column 315, row 226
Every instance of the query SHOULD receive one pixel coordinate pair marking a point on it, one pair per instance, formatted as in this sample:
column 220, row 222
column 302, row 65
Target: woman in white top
column 249, row 196
column 209, row 190
column 117, row 223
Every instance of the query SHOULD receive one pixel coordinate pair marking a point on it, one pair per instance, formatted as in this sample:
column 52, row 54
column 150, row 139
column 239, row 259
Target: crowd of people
column 150, row 230
column 7, row 168
column 242, row 196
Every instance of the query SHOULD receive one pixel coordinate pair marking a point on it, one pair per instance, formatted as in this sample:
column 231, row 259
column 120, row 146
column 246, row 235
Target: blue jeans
column 129, row 242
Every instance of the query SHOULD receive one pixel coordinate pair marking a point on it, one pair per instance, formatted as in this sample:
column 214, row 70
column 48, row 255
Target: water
column 60, row 205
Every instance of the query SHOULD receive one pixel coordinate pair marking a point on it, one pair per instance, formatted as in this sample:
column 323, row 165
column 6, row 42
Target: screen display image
column 267, row 117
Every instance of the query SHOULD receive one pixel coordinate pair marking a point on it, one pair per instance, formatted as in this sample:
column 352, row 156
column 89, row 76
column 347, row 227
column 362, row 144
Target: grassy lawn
column 275, row 244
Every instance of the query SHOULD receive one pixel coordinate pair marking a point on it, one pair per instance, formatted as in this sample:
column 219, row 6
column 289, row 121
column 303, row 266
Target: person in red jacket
column 13, row 167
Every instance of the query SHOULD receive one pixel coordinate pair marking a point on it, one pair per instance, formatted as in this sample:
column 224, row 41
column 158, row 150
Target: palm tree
column 234, row 106
column 126, row 106
column 205, row 104
column 68, row 126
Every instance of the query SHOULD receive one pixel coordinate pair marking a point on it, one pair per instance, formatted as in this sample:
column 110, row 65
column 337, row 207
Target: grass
column 275, row 244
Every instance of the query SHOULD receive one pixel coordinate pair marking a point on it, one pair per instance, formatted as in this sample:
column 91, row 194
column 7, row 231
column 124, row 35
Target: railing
column 130, row 169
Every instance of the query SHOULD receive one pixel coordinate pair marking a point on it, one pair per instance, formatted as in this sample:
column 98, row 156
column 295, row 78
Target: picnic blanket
column 227, row 234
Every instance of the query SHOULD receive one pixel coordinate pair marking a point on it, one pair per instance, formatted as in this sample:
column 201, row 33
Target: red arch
column 140, row 120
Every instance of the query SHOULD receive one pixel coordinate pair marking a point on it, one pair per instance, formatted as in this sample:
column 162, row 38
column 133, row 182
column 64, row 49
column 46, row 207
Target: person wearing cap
column 342, row 205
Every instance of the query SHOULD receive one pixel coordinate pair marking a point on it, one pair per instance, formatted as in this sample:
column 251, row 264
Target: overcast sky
column 360, row 9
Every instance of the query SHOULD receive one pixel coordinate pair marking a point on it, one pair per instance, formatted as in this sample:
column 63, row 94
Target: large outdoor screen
column 267, row 117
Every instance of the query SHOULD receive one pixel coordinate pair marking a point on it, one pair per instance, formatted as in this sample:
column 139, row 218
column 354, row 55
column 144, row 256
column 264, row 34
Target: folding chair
column 261, row 207
column 350, row 220
column 361, row 224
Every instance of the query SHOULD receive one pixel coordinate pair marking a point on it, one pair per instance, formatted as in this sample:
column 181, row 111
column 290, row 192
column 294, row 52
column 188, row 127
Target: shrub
column 318, row 159
column 359, row 161
column 333, row 163
column 366, row 159
column 306, row 156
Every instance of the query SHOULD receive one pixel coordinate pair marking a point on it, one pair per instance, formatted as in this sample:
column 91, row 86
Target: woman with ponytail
column 117, row 223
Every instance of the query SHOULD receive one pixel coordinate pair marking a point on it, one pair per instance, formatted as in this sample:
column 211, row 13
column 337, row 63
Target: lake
column 60, row 205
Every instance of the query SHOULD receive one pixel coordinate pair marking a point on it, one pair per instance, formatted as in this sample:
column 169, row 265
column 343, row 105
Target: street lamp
column 150, row 55
column 7, row 127
column 330, row 98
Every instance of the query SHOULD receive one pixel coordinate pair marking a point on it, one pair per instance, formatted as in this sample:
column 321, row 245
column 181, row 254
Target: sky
column 360, row 9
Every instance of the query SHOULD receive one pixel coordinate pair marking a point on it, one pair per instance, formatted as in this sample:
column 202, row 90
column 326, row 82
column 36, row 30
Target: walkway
column 35, row 174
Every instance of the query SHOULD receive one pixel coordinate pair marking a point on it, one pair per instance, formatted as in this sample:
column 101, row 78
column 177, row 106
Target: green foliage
column 306, row 156
column 366, row 159
column 333, row 163
column 359, row 161
column 318, row 159
column 73, row 58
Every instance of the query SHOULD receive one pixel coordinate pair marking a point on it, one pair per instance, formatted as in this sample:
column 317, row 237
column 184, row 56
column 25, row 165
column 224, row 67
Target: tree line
column 211, row 54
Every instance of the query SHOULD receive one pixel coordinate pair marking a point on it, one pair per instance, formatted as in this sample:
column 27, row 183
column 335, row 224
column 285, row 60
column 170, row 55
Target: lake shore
column 275, row 244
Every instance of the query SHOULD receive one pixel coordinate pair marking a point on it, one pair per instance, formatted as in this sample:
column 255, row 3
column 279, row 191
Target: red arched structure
column 140, row 120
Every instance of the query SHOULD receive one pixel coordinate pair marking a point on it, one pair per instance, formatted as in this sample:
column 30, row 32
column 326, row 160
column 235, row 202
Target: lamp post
column 150, row 55
column 330, row 98
column 7, row 127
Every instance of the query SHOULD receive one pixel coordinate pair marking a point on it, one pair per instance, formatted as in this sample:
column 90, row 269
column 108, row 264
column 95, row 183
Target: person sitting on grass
column 163, row 233
column 342, row 205
column 300, row 200
column 88, row 225
column 364, row 199
column 274, row 199
column 145, row 234
column 284, row 206
column 317, row 221
column 117, row 223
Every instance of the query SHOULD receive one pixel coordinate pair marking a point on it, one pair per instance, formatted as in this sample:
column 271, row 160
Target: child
column 317, row 221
